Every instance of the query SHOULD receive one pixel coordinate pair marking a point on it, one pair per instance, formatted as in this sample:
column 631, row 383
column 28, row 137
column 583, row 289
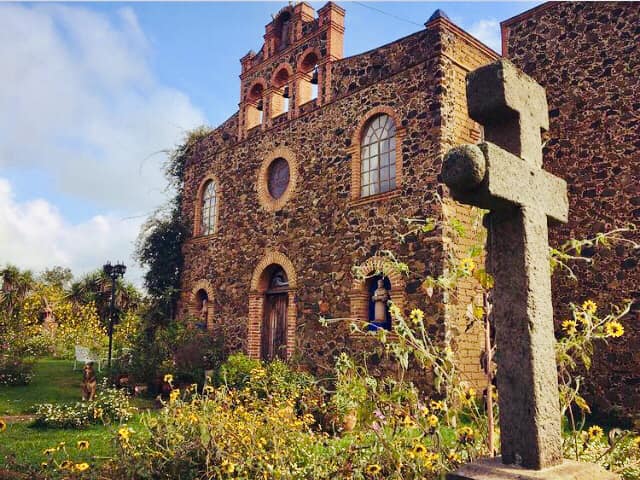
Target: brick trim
column 193, row 307
column 264, row 197
column 197, row 217
column 256, row 303
column 354, row 150
column 287, row 66
column 359, row 294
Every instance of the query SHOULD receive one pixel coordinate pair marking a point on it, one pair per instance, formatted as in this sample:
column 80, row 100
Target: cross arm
column 489, row 177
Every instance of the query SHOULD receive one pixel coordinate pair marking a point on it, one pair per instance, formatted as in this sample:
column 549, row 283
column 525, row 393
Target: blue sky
column 91, row 93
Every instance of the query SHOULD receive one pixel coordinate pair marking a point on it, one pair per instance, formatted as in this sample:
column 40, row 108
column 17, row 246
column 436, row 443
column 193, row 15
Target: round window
column 278, row 176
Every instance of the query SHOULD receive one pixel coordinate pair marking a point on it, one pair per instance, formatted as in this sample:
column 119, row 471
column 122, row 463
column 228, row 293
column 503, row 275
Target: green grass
column 54, row 382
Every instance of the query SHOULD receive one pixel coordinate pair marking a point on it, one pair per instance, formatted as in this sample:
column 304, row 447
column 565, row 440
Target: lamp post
column 113, row 272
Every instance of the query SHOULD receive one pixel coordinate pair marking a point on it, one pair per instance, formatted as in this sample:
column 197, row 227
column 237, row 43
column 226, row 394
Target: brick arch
column 197, row 218
column 257, row 300
column 258, row 81
column 304, row 55
column 274, row 258
column 194, row 308
column 356, row 140
column 359, row 295
column 284, row 65
column 264, row 197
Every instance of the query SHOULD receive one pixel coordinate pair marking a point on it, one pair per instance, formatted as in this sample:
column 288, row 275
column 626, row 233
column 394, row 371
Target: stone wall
column 587, row 57
column 321, row 230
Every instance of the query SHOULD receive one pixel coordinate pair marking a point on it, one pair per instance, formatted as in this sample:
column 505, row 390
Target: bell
column 285, row 94
column 314, row 78
column 259, row 106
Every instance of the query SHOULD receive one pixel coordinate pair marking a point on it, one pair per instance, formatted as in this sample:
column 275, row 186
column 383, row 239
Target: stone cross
column 505, row 176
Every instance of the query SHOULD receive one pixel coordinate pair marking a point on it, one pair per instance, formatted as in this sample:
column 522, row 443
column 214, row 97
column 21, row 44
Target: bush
column 235, row 372
column 110, row 405
column 15, row 371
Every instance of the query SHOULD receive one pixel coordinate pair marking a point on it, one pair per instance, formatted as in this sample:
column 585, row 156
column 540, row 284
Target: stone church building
column 326, row 159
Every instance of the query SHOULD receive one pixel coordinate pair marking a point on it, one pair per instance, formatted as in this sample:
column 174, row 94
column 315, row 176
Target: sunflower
column 432, row 421
column 614, row 329
column 416, row 316
column 168, row 378
column 466, row 435
column 83, row 445
column 123, row 434
column 419, row 449
column 66, row 465
column 570, row 327
column 227, row 466
column 44, row 465
column 373, row 469
column 467, row 266
column 590, row 306
column 454, row 457
column 436, row 405
column 81, row 467
column 3, row 425
column 173, row 396
column 595, row 432
column 49, row 451
column 469, row 396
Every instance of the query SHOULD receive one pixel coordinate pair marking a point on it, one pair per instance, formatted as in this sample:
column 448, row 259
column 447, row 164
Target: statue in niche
column 204, row 309
column 380, row 298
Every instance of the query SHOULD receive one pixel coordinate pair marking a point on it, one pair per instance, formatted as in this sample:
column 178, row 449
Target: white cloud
column 488, row 32
column 80, row 103
column 34, row 235
column 79, row 99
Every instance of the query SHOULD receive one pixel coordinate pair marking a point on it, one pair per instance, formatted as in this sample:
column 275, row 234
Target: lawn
column 54, row 382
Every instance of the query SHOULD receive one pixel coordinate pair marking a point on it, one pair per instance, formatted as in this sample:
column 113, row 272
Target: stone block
column 494, row 469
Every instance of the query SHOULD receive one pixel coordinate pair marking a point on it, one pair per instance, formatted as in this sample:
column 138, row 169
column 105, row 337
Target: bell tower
column 291, row 73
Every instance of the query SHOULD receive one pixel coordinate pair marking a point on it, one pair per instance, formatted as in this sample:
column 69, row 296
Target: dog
column 89, row 382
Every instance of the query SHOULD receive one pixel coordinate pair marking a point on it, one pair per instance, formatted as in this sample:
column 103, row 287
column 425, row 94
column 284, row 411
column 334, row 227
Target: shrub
column 110, row 405
column 235, row 372
column 15, row 371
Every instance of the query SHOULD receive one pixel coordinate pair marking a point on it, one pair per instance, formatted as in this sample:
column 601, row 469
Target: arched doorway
column 273, row 334
column 272, row 309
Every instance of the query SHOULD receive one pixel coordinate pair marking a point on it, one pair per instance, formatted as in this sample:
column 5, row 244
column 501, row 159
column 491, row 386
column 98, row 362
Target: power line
column 388, row 14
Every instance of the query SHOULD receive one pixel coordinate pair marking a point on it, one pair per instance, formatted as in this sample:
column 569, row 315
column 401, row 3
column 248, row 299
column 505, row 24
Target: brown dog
column 88, row 382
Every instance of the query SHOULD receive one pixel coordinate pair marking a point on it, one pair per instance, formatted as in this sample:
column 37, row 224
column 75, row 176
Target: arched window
column 209, row 208
column 308, row 83
column 378, row 156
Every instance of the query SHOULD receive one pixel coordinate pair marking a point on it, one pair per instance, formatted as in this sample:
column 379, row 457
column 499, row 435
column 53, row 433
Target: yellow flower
column 466, row 435
column 81, row 467
column 83, row 445
column 636, row 441
column 478, row 312
column 44, row 465
column 454, row 457
column 66, row 465
column 168, row 378
column 590, row 306
column 173, row 396
column 49, row 451
column 208, row 389
column 419, row 449
column 373, row 469
column 394, row 311
column 595, row 432
column 467, row 266
column 432, row 421
column 582, row 317
column 97, row 412
column 227, row 466
column 469, row 396
column 614, row 329
column 569, row 326
column 436, row 405
column 408, row 421
column 416, row 316
column 582, row 404
column 3, row 425
column 124, row 433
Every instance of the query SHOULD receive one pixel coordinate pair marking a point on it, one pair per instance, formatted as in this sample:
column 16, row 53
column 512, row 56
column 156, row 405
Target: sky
column 93, row 94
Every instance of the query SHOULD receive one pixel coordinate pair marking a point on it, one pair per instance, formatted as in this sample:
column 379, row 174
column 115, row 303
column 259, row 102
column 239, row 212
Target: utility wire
column 388, row 14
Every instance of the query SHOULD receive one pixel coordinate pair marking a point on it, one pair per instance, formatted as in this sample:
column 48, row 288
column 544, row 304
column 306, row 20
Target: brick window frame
column 359, row 294
column 259, row 285
column 197, row 218
column 355, row 150
column 265, row 199
column 193, row 309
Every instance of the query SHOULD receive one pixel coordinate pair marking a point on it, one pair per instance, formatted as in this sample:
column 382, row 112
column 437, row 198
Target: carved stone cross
column 505, row 176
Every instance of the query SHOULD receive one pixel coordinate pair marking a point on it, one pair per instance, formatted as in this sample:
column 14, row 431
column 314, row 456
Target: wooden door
column 274, row 326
